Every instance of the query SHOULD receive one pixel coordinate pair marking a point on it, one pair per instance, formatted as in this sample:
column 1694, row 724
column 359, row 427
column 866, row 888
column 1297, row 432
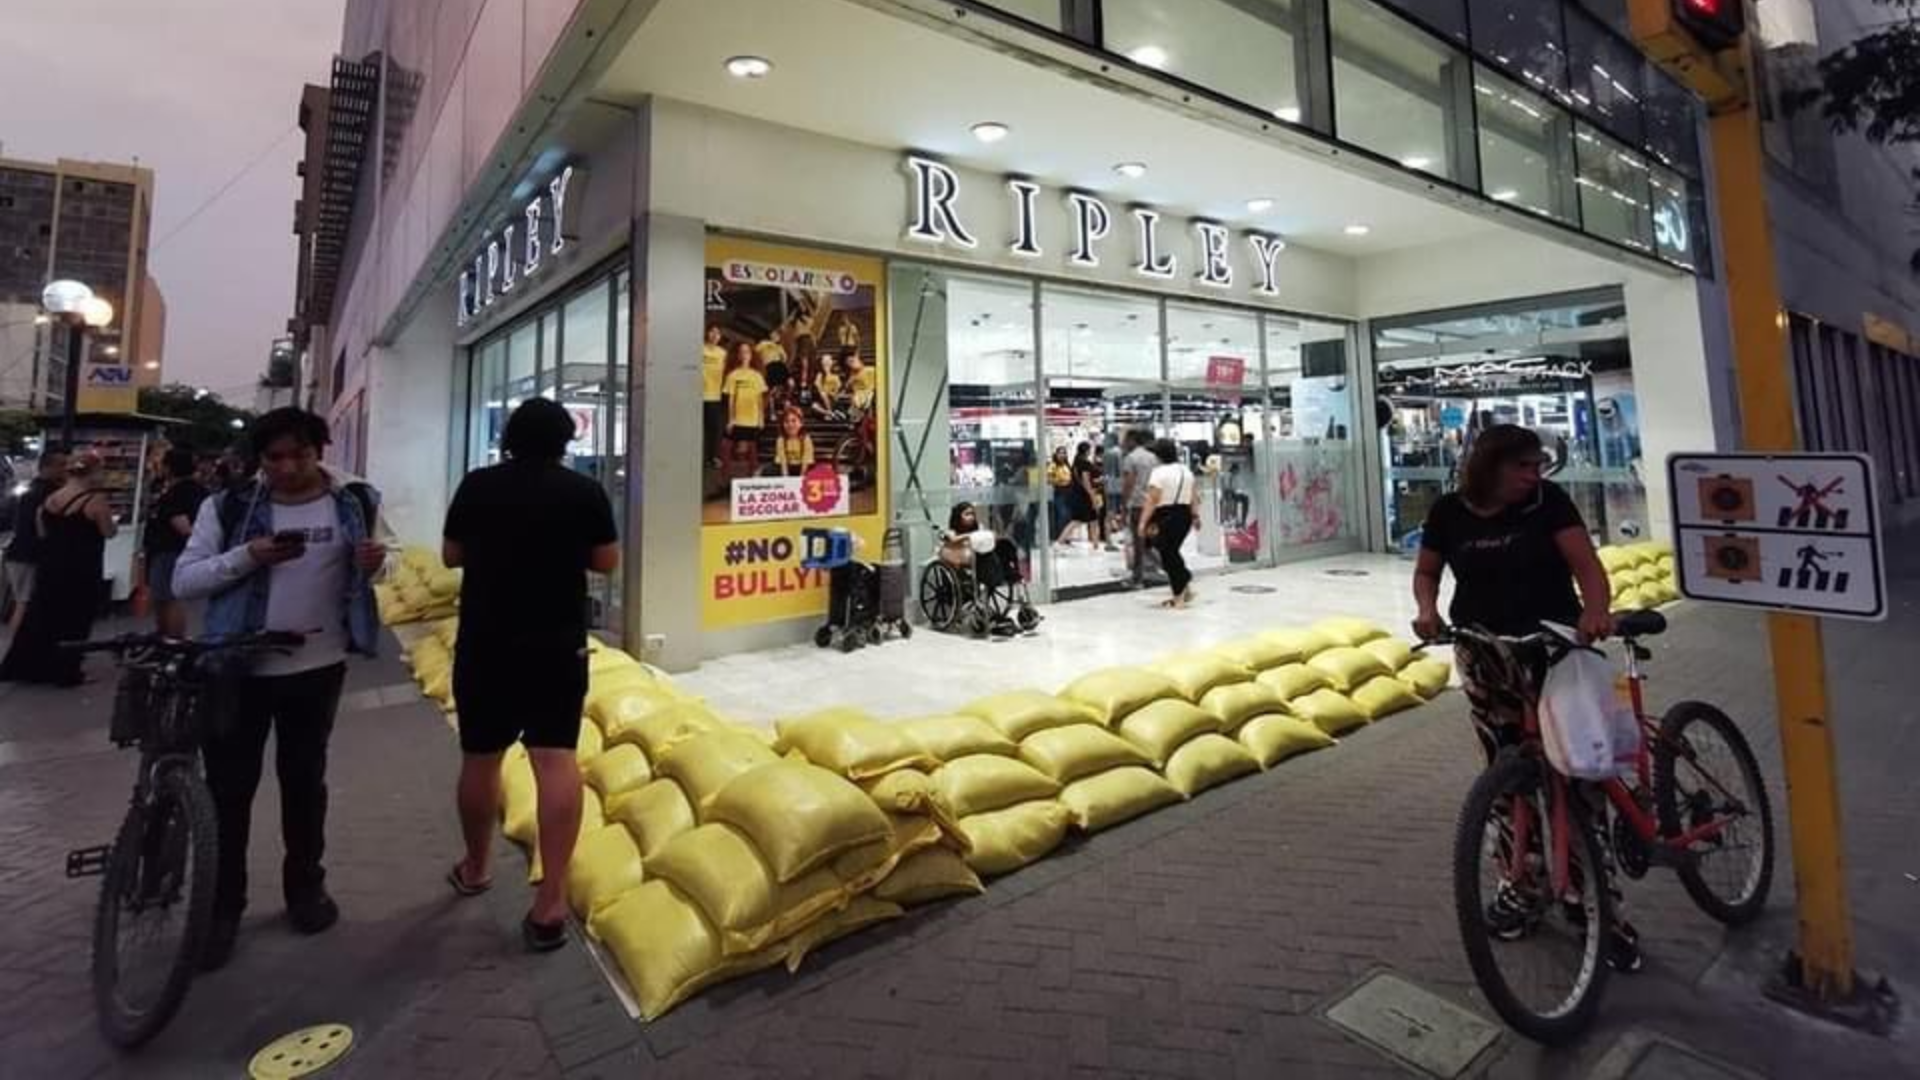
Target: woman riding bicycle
column 1516, row 545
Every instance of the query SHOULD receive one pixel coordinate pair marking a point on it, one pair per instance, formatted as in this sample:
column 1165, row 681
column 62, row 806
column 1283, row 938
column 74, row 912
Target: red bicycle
column 1535, row 850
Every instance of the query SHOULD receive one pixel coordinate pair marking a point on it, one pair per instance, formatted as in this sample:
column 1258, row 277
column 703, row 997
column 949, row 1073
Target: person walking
column 294, row 550
column 1172, row 511
column 168, row 525
column 1083, row 511
column 1059, row 490
column 73, row 524
column 1136, row 476
column 23, row 550
column 520, row 662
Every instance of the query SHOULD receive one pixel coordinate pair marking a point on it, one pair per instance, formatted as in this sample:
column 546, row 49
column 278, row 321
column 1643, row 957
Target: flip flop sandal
column 543, row 937
column 464, row 887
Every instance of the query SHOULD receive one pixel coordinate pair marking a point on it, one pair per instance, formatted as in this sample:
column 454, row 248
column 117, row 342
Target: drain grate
column 1348, row 573
column 302, row 1053
column 1412, row 1025
column 1255, row 590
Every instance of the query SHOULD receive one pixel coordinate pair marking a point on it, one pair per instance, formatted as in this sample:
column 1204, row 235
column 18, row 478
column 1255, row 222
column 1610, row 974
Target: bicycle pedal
column 88, row 861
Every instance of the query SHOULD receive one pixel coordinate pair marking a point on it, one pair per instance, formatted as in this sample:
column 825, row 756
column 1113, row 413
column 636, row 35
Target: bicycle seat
column 1639, row 624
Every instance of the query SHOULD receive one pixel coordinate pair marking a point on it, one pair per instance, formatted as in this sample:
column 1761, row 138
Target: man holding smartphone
column 292, row 550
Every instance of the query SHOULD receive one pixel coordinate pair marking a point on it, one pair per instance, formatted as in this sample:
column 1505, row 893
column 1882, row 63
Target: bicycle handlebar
column 126, row 643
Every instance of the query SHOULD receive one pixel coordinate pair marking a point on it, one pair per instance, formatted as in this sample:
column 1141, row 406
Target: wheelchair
column 986, row 595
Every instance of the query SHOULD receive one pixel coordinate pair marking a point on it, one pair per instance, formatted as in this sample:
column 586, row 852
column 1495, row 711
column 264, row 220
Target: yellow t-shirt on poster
column 746, row 392
column 713, row 371
column 793, row 453
column 862, row 386
column 827, row 384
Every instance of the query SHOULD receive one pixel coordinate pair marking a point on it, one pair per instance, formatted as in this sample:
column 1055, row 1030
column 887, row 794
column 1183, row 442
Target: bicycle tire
column 121, row 1024
column 1516, row 775
column 1733, row 912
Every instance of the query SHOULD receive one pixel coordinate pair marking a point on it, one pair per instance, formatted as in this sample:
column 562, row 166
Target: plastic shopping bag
column 1589, row 727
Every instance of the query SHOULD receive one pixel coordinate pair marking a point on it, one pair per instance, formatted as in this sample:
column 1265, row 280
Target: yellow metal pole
column 1799, row 658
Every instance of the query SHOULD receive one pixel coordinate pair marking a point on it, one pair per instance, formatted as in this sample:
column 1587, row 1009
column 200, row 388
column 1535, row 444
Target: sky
column 194, row 90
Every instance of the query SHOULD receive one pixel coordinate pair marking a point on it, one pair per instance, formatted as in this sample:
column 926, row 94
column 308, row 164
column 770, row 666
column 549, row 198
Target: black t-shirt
column 1509, row 575
column 527, row 529
column 183, row 499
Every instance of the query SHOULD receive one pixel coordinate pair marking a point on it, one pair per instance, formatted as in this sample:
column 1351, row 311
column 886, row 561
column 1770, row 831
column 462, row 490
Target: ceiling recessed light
column 1132, row 170
column 1152, row 56
column 1504, row 195
column 1289, row 113
column 1416, row 161
column 990, row 131
column 749, row 67
column 1357, row 229
column 1259, row 206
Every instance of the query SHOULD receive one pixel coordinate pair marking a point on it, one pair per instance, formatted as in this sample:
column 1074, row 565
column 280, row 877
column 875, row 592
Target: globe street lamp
column 74, row 304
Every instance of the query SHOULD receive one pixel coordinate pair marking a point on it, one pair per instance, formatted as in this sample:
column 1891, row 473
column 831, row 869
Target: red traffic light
column 1716, row 24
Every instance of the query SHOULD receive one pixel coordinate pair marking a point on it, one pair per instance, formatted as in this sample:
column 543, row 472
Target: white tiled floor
column 933, row 673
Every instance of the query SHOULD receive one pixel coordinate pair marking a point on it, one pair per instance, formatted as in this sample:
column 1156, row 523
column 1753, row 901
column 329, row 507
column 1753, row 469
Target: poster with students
column 793, row 431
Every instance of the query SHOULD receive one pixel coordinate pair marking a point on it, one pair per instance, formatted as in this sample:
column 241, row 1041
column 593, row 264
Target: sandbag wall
column 417, row 588
column 709, row 850
column 1641, row 575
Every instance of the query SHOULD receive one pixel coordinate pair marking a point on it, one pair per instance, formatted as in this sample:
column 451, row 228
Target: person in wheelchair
column 980, row 584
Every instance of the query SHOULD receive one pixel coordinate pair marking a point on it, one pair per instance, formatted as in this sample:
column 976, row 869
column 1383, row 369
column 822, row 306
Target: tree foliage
column 209, row 421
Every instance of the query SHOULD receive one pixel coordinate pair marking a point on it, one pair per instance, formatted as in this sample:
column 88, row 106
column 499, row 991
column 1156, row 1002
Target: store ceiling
column 851, row 72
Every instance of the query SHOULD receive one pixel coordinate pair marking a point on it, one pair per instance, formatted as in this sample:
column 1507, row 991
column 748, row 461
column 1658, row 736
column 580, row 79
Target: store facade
column 768, row 319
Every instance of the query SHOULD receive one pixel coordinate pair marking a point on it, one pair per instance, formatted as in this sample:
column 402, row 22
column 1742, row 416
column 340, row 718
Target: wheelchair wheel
column 823, row 637
column 940, row 595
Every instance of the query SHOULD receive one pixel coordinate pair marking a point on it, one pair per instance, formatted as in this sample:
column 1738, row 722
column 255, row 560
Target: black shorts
column 526, row 693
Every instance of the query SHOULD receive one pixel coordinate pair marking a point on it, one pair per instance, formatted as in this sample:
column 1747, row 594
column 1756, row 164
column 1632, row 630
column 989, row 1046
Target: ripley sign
column 937, row 219
column 532, row 239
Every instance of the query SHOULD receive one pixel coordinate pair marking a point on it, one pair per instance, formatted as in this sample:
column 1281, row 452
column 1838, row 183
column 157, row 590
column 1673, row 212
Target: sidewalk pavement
column 1206, row 939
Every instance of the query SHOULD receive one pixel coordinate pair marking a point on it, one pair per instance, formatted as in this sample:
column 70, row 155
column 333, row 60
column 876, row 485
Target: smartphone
column 293, row 538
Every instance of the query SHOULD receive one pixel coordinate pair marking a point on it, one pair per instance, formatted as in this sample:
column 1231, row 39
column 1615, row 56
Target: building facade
column 90, row 222
column 850, row 263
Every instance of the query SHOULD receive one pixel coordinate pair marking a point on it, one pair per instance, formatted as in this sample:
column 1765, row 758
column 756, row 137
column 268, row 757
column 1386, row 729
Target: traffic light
column 1716, row 24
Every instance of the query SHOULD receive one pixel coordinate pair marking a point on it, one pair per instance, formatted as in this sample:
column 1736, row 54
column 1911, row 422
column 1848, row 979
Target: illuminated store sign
column 520, row 250
column 937, row 218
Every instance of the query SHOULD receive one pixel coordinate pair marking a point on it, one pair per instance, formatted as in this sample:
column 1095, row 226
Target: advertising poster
column 794, row 422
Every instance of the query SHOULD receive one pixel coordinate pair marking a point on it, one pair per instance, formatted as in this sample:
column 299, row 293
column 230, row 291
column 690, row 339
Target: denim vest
column 243, row 608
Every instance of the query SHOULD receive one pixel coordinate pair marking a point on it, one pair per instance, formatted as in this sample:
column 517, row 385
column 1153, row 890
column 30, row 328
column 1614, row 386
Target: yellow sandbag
column 718, row 868
column 1614, row 560
column 1235, row 705
column 706, row 764
column 444, row 584
column 931, row 874
column 1020, row 713
column 419, row 559
column 518, row 805
column 605, row 867
column 1256, row 654
column 798, row 815
column 1006, row 840
column 628, row 676
column 947, row 738
column 623, row 699
column 1116, row 693
column 1644, row 552
column 1390, row 651
column 1066, row 754
column 447, row 632
column 1275, row 738
column 1427, row 677
column 1294, row 681
column 386, row 604
column 1162, row 727
column 620, row 769
column 851, row 743
column 1303, row 645
column 660, row 730
column 1109, row 798
column 591, row 744
column 1208, row 761
column 1193, row 674
column 427, row 656
column 654, row 814
column 1328, row 710
column 910, row 791
column 1384, row 695
column 1347, row 631
column 1346, row 667
column 666, row 949
column 863, row 912
column 439, row 687
column 981, row 783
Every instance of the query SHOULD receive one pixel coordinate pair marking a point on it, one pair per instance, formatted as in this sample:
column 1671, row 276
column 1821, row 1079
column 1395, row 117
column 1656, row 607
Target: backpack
column 233, row 508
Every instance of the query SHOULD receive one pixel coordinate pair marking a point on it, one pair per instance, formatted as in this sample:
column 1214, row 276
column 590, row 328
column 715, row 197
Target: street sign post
column 1788, row 532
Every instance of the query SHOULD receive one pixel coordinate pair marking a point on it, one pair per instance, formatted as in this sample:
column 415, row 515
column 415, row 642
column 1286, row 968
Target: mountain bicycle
column 157, row 892
column 1535, row 851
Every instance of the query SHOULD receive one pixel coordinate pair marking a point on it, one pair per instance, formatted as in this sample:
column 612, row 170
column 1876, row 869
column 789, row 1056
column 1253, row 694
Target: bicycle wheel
column 1539, row 958
column 156, row 903
column 1704, row 771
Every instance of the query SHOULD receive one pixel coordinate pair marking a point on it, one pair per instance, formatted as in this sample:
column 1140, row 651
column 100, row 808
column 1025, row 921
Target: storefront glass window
column 1315, row 469
column 1448, row 17
column 1217, row 407
column 1674, row 231
column 1606, row 75
column 1527, row 37
column 1250, row 52
column 522, row 364
column 490, row 406
column 1526, row 148
column 992, row 443
column 1401, row 93
column 1102, row 336
column 1614, row 194
column 1039, row 12
column 1672, row 113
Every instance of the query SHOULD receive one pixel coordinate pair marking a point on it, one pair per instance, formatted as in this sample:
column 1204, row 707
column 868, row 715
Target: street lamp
column 74, row 304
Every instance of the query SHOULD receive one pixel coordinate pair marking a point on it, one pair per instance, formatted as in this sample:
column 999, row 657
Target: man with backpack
column 293, row 549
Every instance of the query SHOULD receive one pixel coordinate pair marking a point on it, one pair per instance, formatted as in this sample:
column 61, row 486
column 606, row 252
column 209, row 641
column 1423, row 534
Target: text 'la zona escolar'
column 770, row 582
column 937, row 220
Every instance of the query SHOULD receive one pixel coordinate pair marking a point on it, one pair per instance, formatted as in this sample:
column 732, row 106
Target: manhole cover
column 1348, row 573
column 1419, row 1028
column 302, row 1053
column 1254, row 590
